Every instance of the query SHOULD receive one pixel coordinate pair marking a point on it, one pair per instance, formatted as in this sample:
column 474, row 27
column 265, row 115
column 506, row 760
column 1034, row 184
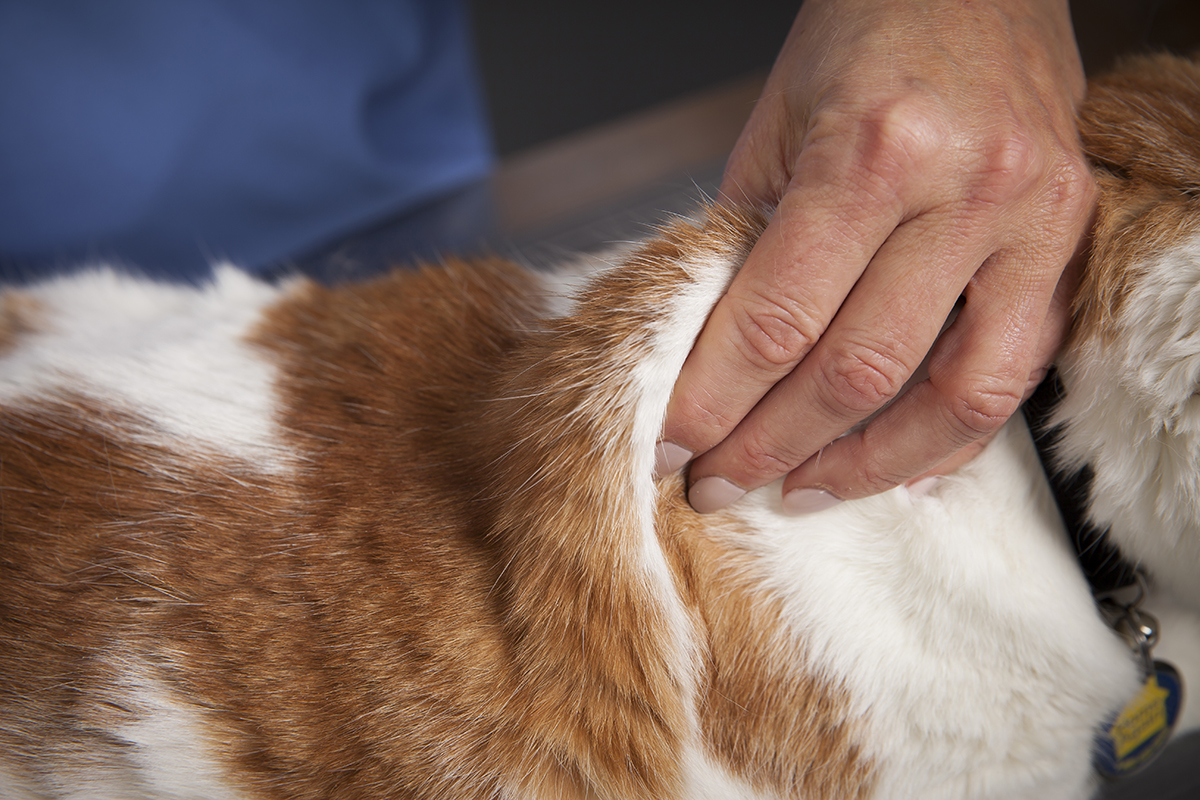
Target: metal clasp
column 1138, row 628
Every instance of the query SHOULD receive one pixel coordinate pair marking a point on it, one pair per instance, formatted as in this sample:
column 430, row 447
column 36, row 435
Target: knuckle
column 874, row 480
column 870, row 471
column 980, row 411
column 699, row 421
column 773, row 334
column 901, row 137
column 863, row 378
column 889, row 141
column 1009, row 164
column 872, row 466
column 1013, row 156
column 764, row 457
column 701, row 426
column 1074, row 189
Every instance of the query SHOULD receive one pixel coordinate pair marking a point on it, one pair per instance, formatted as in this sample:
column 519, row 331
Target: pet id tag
column 1139, row 732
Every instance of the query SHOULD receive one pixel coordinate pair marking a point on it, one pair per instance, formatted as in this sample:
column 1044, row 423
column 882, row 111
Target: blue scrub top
column 170, row 134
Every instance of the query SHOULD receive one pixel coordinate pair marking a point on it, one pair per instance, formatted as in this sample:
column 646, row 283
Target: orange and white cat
column 404, row 538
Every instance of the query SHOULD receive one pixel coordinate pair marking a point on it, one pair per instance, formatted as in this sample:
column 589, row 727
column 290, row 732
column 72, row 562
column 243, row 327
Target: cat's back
column 225, row 513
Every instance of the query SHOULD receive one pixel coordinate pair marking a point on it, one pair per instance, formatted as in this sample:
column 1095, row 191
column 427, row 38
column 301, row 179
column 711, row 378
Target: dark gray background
column 551, row 67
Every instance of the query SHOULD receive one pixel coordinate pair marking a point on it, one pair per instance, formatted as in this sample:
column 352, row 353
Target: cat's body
column 403, row 539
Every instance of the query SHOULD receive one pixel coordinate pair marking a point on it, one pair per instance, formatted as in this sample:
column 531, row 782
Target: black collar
column 1106, row 569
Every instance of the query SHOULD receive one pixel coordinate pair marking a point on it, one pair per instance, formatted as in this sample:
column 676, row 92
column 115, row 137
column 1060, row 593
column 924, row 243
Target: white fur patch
column 16, row 787
column 1132, row 413
column 175, row 355
column 960, row 625
column 170, row 745
column 707, row 780
column 137, row 742
column 562, row 284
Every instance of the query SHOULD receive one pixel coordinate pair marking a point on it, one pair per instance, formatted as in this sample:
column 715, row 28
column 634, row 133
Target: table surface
column 614, row 181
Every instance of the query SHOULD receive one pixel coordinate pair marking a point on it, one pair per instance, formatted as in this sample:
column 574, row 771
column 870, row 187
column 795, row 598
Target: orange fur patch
column 1141, row 127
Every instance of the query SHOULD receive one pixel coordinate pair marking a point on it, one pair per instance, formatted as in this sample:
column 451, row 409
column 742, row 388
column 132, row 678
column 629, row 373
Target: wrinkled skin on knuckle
column 764, row 458
column 1073, row 193
column 773, row 335
column 980, row 411
column 872, row 479
column 860, row 379
column 869, row 473
column 1012, row 164
column 700, row 424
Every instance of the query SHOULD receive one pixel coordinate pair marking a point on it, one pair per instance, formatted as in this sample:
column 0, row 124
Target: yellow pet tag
column 1138, row 734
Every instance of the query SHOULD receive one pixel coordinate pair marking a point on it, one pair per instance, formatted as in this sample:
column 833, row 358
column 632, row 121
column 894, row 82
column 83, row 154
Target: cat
column 404, row 538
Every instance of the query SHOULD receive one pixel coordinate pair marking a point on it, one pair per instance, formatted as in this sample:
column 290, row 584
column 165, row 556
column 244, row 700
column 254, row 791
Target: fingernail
column 669, row 457
column 808, row 501
column 712, row 494
column 924, row 486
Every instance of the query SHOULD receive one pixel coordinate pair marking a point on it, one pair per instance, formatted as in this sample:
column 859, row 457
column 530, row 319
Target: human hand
column 918, row 152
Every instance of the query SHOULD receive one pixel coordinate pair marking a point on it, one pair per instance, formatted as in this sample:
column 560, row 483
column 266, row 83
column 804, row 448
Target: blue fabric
column 169, row 134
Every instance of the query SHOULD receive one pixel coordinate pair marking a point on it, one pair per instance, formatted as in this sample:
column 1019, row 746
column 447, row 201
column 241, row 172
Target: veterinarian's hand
column 919, row 151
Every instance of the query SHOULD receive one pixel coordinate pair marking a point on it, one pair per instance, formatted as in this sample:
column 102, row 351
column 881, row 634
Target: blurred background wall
column 552, row 67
